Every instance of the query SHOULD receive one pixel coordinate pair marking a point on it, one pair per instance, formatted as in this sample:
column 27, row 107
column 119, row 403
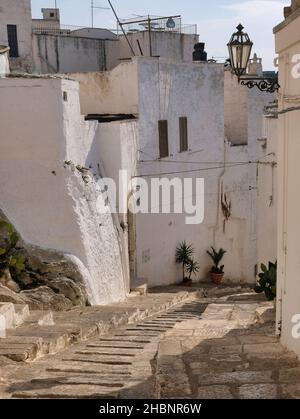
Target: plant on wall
column 10, row 262
column 184, row 257
column 267, row 282
column 226, row 208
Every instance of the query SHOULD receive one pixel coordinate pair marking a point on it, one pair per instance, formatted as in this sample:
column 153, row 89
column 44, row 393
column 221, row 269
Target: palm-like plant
column 192, row 267
column 216, row 257
column 184, row 253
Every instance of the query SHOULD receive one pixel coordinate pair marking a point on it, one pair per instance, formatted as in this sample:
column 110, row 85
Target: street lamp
column 240, row 47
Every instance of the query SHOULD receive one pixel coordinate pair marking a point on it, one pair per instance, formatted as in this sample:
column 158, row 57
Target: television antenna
column 93, row 7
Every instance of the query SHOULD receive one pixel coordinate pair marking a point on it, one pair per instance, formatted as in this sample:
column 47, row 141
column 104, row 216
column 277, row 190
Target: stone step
column 7, row 318
column 12, row 316
column 50, row 333
column 65, row 391
column 22, row 313
column 41, row 318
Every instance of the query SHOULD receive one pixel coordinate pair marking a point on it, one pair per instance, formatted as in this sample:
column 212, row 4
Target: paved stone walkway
column 203, row 348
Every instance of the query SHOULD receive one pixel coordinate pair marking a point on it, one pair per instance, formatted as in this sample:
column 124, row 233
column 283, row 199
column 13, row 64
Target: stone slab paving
column 240, row 358
column 203, row 348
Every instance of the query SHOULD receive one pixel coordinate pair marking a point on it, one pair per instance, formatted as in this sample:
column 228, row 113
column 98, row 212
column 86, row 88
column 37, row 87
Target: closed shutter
column 12, row 37
column 183, row 134
column 163, row 139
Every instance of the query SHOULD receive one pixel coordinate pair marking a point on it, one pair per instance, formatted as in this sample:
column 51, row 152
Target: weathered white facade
column 46, row 190
column 4, row 63
column 154, row 89
column 287, row 37
column 17, row 13
column 55, row 53
column 267, row 188
column 168, row 45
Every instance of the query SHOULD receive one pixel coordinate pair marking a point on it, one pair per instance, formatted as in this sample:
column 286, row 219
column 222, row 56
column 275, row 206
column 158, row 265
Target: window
column 12, row 37
column 183, row 134
column 52, row 14
column 163, row 139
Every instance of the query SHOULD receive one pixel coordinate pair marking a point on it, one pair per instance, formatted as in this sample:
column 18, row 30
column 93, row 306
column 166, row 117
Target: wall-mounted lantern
column 240, row 47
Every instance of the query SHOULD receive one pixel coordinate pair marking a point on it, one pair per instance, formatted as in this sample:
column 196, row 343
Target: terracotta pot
column 187, row 283
column 217, row 278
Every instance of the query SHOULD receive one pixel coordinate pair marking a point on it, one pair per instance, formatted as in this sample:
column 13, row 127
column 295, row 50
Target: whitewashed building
column 287, row 38
column 16, row 32
column 48, row 188
column 172, row 100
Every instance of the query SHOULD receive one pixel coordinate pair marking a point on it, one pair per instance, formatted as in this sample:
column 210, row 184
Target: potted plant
column 267, row 282
column 192, row 268
column 217, row 271
column 184, row 253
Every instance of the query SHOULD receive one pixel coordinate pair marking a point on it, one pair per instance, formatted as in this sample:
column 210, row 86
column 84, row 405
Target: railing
column 157, row 24
column 62, row 30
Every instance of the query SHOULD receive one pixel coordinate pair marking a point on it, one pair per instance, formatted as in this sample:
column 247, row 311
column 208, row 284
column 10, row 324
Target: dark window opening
column 12, row 37
column 183, row 134
column 52, row 15
column 163, row 139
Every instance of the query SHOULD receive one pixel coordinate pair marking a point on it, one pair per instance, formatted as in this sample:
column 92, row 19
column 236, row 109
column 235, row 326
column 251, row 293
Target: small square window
column 52, row 14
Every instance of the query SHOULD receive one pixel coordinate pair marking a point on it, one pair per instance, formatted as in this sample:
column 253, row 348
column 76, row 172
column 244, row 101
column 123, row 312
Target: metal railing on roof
column 62, row 29
column 171, row 24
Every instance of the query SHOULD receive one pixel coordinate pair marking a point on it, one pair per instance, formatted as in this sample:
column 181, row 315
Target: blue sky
column 216, row 19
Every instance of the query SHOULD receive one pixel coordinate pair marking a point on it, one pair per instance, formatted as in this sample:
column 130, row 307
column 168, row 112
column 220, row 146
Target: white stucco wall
column 18, row 12
column 288, row 303
column 168, row 45
column 195, row 91
column 4, row 62
column 47, row 200
column 267, row 194
column 64, row 53
column 111, row 92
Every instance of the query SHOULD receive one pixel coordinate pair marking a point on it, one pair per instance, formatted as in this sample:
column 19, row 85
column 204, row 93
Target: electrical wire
column 203, row 169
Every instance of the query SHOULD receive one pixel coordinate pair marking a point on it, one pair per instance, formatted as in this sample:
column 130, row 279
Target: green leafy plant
column 217, row 257
column 9, row 260
column 184, row 253
column 192, row 268
column 267, row 282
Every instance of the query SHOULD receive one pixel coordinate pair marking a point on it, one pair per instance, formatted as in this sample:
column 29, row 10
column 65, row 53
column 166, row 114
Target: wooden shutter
column 163, row 139
column 12, row 37
column 183, row 134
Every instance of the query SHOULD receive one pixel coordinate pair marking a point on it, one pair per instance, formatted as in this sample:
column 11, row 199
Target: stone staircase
column 28, row 336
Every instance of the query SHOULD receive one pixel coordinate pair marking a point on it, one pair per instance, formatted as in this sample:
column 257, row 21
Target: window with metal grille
column 163, row 139
column 12, row 37
column 183, row 134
